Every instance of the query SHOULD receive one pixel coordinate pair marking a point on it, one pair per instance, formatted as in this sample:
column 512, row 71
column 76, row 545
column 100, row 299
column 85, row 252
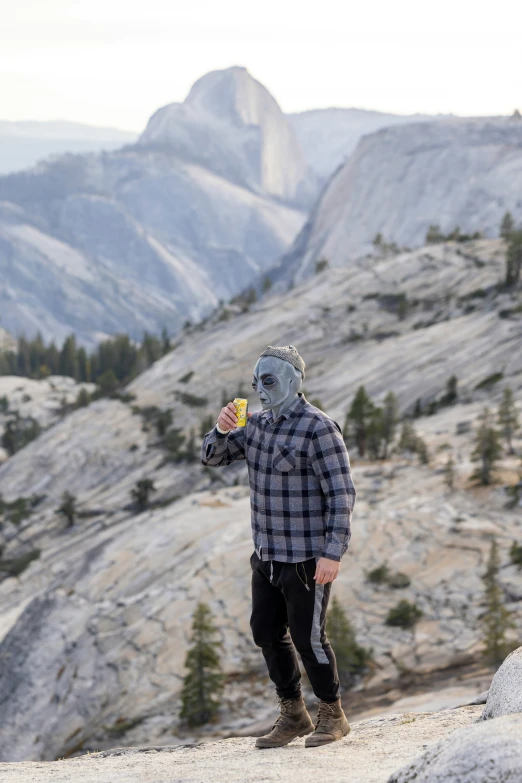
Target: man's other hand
column 227, row 419
column 326, row 570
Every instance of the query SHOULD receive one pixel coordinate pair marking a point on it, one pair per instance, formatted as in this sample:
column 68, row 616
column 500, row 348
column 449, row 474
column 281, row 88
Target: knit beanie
column 289, row 354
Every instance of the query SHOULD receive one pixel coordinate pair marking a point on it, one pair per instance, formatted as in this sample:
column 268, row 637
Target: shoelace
column 282, row 703
column 324, row 712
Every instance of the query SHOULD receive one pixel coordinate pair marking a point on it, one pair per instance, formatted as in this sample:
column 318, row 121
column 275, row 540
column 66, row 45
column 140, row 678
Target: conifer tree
column 204, row 681
column 68, row 508
column 508, row 417
column 140, row 493
column 390, row 418
column 374, row 433
column 352, row 659
column 496, row 620
column 360, row 413
column 487, row 449
column 514, row 258
column 507, row 226
column 449, row 473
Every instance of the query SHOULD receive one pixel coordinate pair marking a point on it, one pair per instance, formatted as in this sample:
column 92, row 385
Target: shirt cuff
column 221, row 433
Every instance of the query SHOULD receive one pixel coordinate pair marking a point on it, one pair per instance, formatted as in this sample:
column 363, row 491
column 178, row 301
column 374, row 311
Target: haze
column 114, row 62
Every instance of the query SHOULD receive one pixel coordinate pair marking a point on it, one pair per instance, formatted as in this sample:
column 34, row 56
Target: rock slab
column 481, row 753
column 505, row 693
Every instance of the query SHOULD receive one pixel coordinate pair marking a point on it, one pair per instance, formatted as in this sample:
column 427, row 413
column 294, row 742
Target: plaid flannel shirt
column 301, row 490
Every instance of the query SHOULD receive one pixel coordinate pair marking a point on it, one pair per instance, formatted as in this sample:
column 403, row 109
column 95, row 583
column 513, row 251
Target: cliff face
column 402, row 179
column 230, row 123
column 329, row 136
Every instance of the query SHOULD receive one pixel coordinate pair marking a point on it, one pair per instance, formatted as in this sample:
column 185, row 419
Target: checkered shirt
column 301, row 490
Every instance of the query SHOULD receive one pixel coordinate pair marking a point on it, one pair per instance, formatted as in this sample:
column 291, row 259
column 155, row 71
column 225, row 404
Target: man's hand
column 326, row 570
column 228, row 417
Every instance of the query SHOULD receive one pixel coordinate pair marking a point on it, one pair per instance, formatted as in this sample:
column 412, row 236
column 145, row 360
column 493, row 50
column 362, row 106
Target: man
column 302, row 497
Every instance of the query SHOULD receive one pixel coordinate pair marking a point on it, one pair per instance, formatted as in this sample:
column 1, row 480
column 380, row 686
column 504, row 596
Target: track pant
column 288, row 616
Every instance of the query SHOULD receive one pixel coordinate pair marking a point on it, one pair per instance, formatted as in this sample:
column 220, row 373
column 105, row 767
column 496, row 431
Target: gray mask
column 277, row 383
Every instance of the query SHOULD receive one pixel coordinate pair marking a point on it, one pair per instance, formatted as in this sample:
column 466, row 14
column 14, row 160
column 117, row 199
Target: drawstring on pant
column 271, row 569
column 297, row 572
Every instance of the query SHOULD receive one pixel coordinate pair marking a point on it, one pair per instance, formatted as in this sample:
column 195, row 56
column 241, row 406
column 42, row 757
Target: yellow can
column 241, row 407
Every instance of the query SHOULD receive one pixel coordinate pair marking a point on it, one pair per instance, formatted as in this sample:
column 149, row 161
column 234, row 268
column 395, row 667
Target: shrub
column 351, row 658
column 191, row 399
column 16, row 565
column 403, row 615
column 321, row 265
column 140, row 493
column 68, row 508
column 490, row 380
column 398, row 580
column 515, row 554
column 378, row 575
column 19, row 432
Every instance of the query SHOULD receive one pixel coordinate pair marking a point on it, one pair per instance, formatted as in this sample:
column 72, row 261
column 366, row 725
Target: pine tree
column 496, row 619
column 140, row 493
column 507, row 226
column 487, row 449
column 352, row 659
column 68, row 508
column 508, row 417
column 449, row 473
column 204, row 682
column 374, row 433
column 514, row 258
column 390, row 418
column 360, row 413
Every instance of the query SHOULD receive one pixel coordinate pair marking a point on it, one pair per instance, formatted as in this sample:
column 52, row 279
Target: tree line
column 115, row 361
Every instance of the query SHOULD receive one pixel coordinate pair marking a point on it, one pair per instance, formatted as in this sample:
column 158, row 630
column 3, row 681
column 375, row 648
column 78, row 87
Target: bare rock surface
column 372, row 750
column 481, row 753
column 505, row 693
column 402, row 179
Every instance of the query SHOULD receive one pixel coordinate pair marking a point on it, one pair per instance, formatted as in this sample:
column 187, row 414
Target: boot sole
column 327, row 742
column 282, row 744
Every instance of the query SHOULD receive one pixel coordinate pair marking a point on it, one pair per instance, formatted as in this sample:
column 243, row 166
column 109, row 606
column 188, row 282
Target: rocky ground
column 94, row 632
column 374, row 749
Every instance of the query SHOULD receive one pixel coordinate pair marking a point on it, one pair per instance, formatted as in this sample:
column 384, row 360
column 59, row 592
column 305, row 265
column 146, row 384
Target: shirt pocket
column 284, row 459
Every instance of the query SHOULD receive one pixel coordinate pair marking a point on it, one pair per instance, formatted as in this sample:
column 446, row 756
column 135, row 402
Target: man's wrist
column 220, row 431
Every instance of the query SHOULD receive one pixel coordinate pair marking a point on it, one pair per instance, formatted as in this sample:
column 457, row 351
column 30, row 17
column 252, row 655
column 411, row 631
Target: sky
column 115, row 62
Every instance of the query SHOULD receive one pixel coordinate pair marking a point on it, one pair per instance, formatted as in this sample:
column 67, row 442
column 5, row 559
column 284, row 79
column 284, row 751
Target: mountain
column 230, row 123
column 24, row 143
column 402, row 179
column 329, row 136
column 155, row 233
column 94, row 631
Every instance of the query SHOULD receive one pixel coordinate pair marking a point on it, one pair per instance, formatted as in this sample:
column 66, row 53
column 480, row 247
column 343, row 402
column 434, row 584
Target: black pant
column 281, row 601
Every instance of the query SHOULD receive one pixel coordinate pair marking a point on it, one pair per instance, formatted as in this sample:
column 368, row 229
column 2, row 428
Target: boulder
column 480, row 753
column 505, row 693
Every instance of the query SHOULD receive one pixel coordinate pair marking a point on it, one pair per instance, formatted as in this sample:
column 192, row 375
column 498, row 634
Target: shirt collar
column 293, row 410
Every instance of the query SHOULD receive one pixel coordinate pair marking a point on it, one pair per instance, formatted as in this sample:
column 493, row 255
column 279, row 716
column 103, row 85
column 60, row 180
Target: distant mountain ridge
column 400, row 180
column 25, row 142
column 155, row 233
column 329, row 136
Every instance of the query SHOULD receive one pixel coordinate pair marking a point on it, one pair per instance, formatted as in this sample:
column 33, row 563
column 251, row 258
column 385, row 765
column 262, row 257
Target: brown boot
column 331, row 724
column 294, row 721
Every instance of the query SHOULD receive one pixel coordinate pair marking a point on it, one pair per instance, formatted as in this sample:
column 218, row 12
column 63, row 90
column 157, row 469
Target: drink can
column 241, row 407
